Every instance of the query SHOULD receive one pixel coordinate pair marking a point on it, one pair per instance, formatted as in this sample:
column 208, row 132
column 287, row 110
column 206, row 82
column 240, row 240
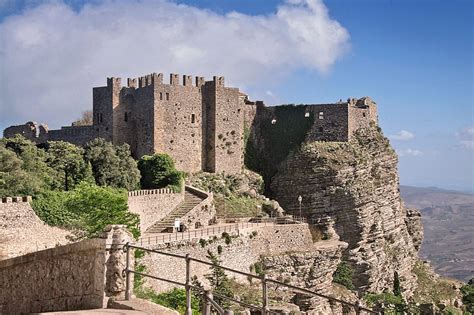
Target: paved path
column 99, row 312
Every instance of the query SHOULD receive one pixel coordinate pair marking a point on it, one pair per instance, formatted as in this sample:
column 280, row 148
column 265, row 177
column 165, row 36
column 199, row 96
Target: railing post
column 357, row 307
column 206, row 305
column 189, row 310
column 127, row 273
column 264, row 295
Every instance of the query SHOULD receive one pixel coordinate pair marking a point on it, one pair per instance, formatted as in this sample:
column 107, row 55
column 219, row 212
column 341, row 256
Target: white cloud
column 466, row 137
column 51, row 56
column 402, row 135
column 409, row 152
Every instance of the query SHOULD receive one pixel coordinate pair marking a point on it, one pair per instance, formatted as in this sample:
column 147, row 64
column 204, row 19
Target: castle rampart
column 201, row 125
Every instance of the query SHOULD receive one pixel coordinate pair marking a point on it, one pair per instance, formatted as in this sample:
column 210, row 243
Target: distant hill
column 448, row 221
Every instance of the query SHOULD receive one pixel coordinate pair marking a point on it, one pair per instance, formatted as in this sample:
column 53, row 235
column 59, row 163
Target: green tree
column 67, row 161
column 23, row 170
column 159, row 171
column 397, row 291
column 219, row 281
column 112, row 165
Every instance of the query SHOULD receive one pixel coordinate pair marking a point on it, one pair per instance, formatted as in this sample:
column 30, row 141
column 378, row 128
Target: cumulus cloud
column 409, row 152
column 402, row 135
column 466, row 137
column 52, row 55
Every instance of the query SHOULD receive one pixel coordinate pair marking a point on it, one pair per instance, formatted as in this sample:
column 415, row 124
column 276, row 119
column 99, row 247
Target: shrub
column 88, row 208
column 219, row 249
column 202, row 242
column 343, row 275
column 468, row 297
column 158, row 171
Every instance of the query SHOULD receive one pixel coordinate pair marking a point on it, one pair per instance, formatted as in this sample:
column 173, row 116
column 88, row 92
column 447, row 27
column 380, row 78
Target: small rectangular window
column 167, row 96
column 100, row 118
column 321, row 115
column 193, row 118
column 125, row 118
column 161, row 96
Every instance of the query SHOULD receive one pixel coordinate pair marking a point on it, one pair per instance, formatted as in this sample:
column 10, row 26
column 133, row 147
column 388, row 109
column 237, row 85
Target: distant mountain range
column 448, row 221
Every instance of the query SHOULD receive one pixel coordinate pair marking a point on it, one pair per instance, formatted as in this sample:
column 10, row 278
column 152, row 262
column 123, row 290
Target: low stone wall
column 202, row 214
column 153, row 205
column 244, row 250
column 82, row 275
column 22, row 232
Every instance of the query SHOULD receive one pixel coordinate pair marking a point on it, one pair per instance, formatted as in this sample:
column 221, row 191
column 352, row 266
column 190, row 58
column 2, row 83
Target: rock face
column 311, row 269
column 356, row 184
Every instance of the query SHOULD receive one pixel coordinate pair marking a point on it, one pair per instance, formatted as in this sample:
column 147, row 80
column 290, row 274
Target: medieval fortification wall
column 199, row 123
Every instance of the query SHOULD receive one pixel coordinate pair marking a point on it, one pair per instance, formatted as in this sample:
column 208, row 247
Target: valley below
column 448, row 222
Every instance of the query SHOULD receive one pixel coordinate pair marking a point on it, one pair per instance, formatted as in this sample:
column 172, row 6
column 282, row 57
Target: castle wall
column 178, row 123
column 228, row 148
column 102, row 111
column 361, row 113
column 330, row 122
column 153, row 205
column 78, row 135
column 144, row 117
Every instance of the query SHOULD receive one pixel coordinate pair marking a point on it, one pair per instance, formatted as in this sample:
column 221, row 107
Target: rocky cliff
column 356, row 184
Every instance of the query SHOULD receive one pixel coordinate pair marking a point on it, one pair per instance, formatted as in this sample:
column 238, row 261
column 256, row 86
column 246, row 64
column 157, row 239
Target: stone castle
column 199, row 123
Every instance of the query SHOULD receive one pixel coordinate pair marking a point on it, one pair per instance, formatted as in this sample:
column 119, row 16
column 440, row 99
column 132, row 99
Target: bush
column 202, row 242
column 219, row 249
column 468, row 297
column 343, row 275
column 158, row 171
column 227, row 237
column 88, row 208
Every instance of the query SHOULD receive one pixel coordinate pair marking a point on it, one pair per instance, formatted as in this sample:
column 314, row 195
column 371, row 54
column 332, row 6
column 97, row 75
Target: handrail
column 265, row 281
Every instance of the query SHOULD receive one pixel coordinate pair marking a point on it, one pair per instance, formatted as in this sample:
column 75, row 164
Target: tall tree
column 219, row 281
column 112, row 165
column 67, row 160
column 23, row 168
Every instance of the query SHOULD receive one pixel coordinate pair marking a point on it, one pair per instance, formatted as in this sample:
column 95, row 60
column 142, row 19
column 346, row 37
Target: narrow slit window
column 193, row 118
column 161, row 96
column 125, row 117
column 167, row 96
column 100, row 118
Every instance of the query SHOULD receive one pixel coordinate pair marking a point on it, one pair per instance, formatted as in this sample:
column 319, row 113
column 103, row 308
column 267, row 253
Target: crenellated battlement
column 114, row 82
column 157, row 78
column 147, row 192
column 24, row 199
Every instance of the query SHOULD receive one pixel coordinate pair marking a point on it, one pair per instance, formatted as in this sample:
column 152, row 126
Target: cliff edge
column 356, row 184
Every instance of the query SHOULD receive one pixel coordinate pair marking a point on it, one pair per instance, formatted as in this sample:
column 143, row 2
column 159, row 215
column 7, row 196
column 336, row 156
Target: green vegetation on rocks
column 343, row 275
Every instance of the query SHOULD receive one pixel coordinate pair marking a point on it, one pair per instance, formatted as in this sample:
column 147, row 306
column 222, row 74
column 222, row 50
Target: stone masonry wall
column 244, row 251
column 77, row 276
column 22, row 232
column 202, row 214
column 153, row 205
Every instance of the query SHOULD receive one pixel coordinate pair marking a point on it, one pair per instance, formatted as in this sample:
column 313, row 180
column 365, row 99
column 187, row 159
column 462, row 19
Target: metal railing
column 161, row 238
column 207, row 296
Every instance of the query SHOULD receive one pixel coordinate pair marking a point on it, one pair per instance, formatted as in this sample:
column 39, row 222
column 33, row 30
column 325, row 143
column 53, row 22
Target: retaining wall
column 82, row 275
column 153, row 205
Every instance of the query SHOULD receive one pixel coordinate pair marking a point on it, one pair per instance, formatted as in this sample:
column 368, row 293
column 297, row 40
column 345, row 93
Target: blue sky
column 414, row 58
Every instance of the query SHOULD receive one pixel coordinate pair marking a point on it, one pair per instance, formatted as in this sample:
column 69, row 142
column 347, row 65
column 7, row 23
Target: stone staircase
column 190, row 201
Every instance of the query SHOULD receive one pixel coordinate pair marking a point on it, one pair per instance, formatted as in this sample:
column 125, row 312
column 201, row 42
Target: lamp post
column 299, row 201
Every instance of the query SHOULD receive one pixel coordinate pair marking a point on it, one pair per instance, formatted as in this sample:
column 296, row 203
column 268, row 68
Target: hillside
column 448, row 220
